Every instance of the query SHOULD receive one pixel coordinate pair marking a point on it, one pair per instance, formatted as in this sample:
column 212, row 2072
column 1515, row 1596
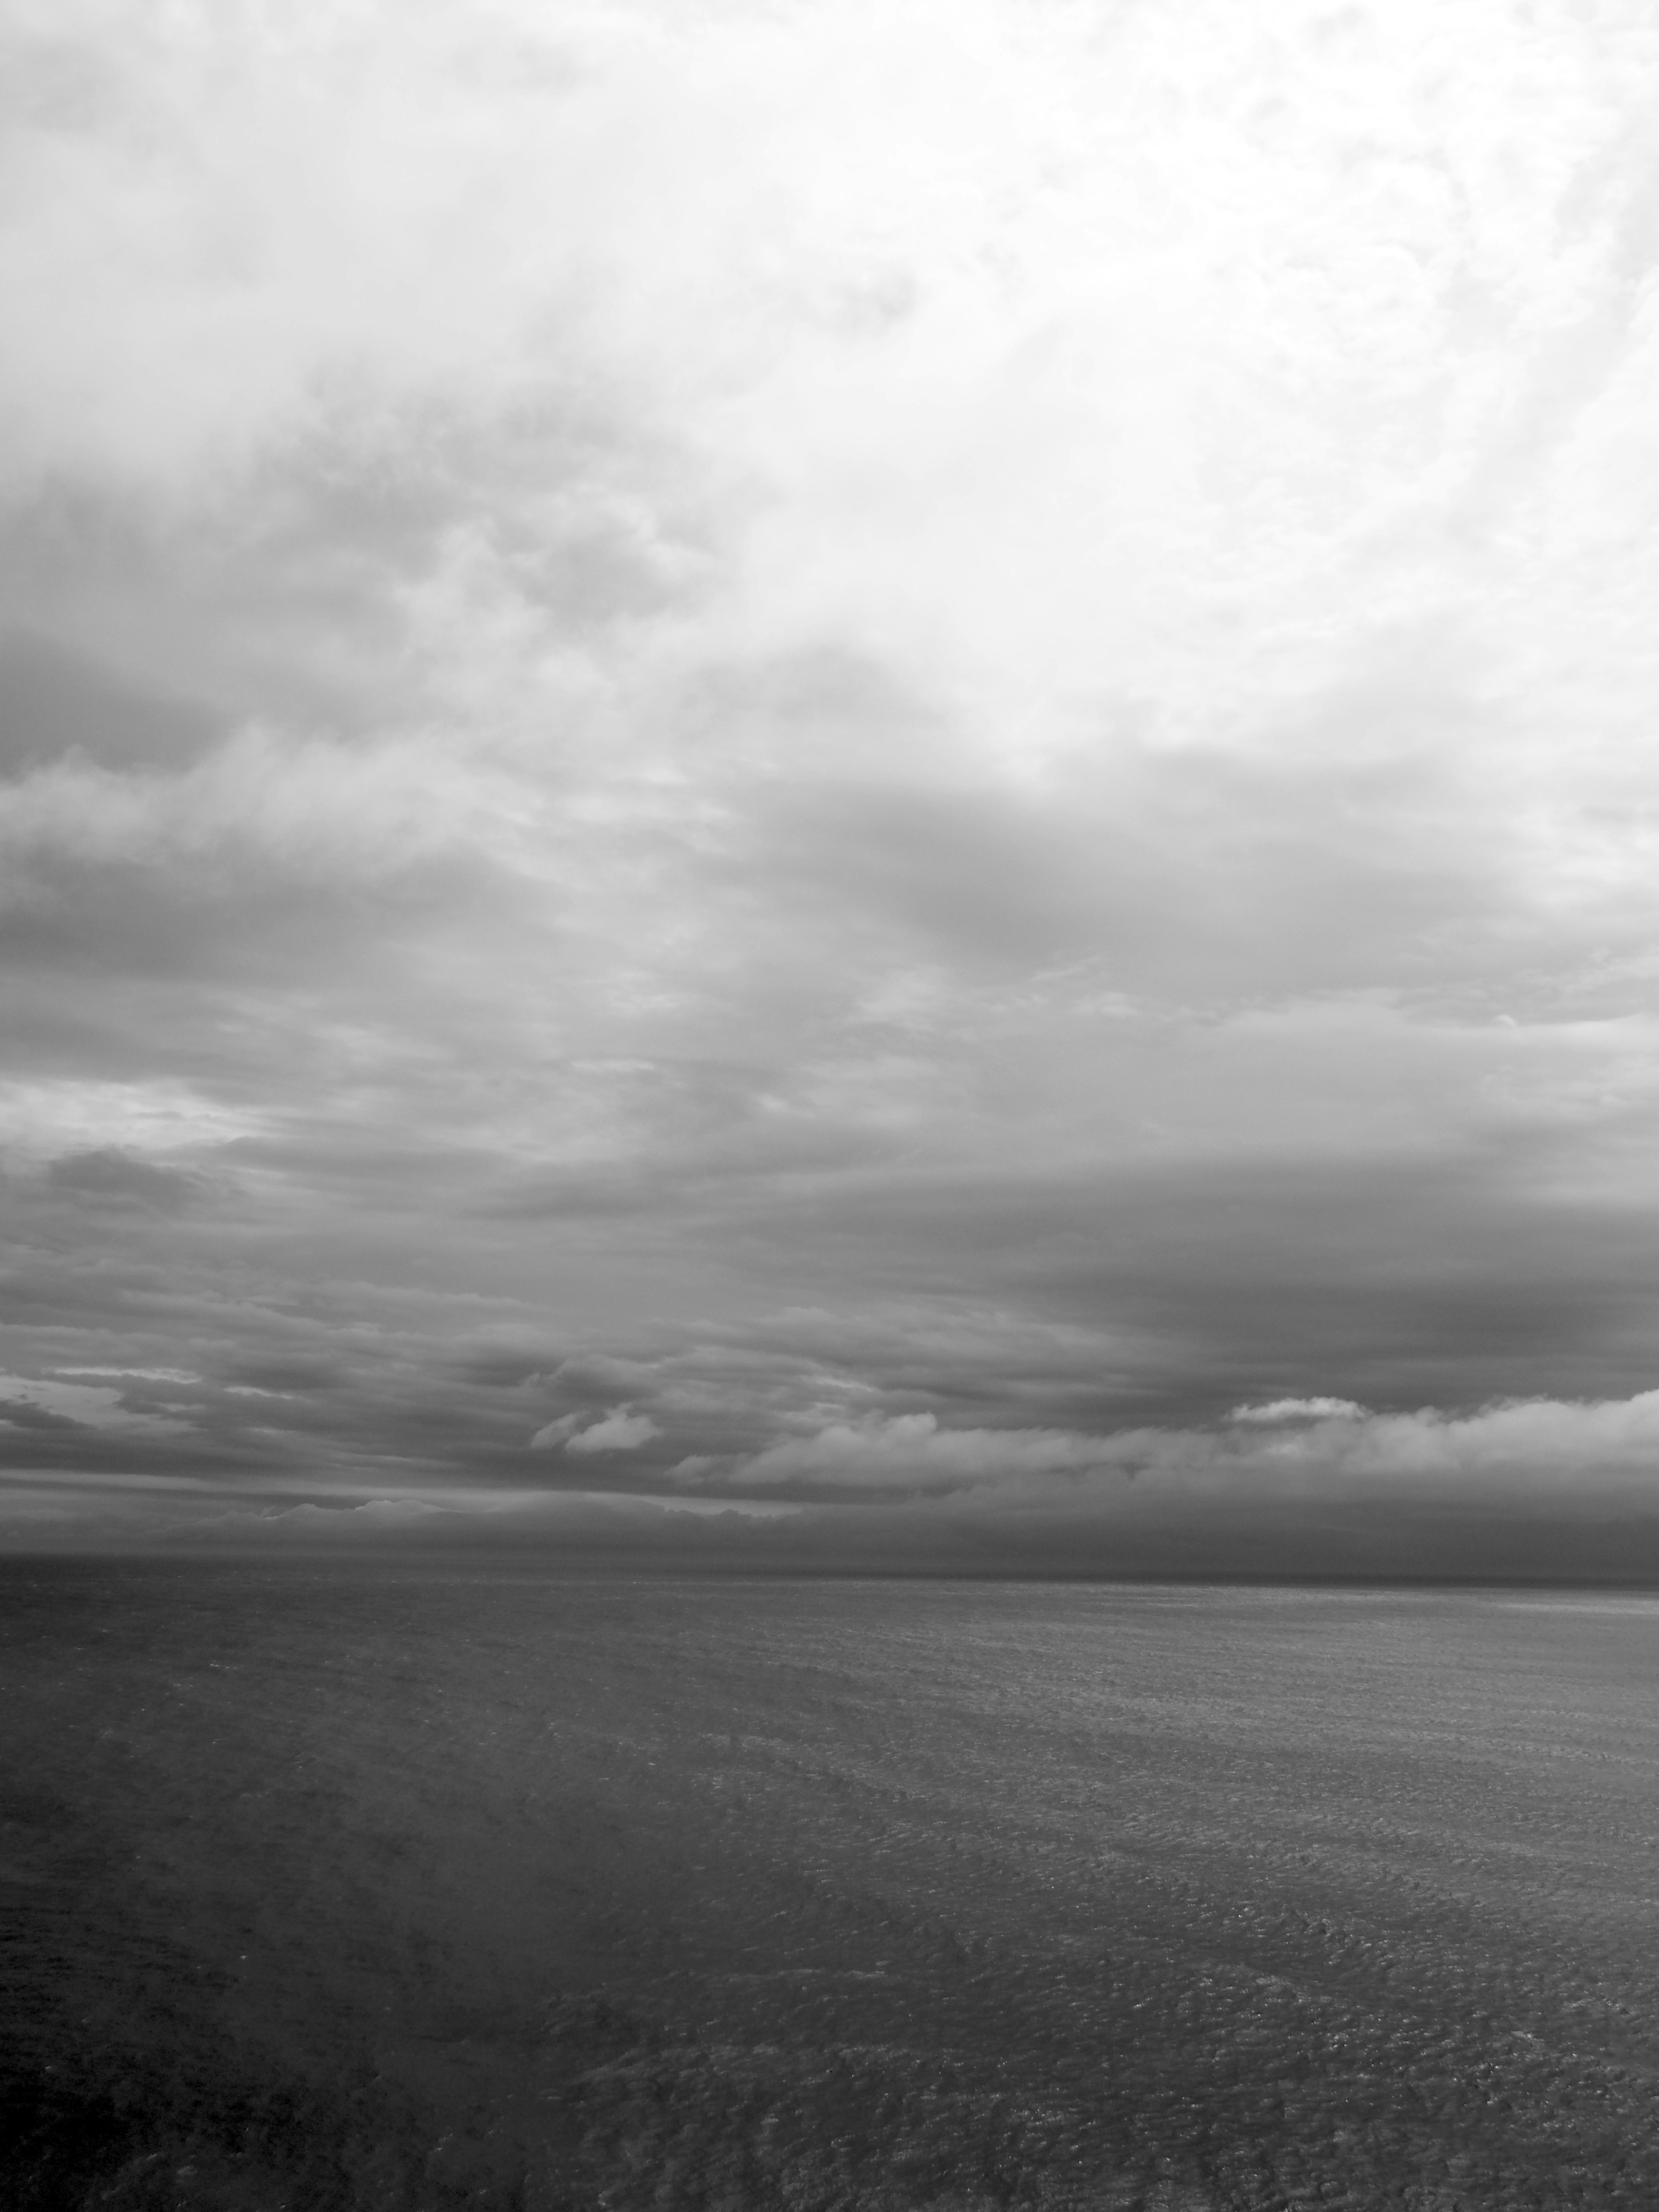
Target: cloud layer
column 885, row 751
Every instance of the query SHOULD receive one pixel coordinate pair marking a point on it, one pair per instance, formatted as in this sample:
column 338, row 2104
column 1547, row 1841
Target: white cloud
column 1278, row 1410
column 157, row 1119
column 136, row 1374
column 1554, row 1441
column 621, row 1430
column 1314, row 1447
column 912, row 1452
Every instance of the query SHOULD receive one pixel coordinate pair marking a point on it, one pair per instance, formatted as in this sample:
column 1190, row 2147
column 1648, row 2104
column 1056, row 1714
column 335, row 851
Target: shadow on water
column 329, row 1889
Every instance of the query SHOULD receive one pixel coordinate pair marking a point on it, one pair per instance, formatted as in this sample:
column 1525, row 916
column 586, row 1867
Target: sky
column 820, row 782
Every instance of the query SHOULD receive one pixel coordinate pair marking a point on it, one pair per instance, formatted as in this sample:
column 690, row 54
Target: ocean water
column 353, row 1888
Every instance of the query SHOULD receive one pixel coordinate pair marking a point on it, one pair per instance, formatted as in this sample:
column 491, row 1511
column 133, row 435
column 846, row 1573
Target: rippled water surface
column 360, row 1888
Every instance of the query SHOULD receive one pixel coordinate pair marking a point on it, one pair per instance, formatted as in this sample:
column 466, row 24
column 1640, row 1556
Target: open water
column 344, row 1888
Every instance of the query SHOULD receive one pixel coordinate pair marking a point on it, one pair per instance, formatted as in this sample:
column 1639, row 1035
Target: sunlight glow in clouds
column 866, row 750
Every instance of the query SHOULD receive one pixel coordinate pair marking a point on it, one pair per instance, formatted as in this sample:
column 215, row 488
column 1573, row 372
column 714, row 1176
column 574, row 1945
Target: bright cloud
column 1296, row 1409
column 136, row 1373
column 907, row 748
column 1532, row 1447
column 621, row 1430
column 148, row 1120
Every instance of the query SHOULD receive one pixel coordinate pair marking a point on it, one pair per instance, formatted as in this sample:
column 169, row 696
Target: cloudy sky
column 833, row 779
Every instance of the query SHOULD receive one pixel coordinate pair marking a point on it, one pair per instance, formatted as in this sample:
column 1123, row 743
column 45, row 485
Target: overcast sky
column 859, row 778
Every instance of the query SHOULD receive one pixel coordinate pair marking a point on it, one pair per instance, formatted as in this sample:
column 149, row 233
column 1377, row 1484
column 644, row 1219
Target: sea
column 409, row 1888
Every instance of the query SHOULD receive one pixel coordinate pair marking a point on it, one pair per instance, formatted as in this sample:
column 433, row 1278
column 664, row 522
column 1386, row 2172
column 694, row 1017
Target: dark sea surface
column 353, row 1888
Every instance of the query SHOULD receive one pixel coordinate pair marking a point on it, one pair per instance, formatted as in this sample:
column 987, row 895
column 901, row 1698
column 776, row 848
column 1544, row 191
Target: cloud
column 113, row 1177
column 620, row 1430
column 1531, row 1450
column 317, row 808
column 92, row 1125
column 151, row 1514
column 910, row 1452
column 1280, row 1410
column 136, row 1373
column 57, row 703
column 908, row 750
column 25, row 1401
column 1565, row 1446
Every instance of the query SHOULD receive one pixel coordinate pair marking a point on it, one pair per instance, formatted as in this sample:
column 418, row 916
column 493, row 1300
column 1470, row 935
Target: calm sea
column 355, row 1887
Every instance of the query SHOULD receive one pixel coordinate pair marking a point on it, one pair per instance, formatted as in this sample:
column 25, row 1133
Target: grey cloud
column 983, row 878
column 501, row 1368
column 55, row 700
column 1519, row 1452
column 1345, row 853
column 1120, row 1303
column 255, row 925
column 1381, row 1279
column 105, row 1174
column 1279, row 1411
column 597, row 832
column 911, row 1453
column 19, row 1414
column 552, row 1434
column 1490, row 1493
column 288, row 1378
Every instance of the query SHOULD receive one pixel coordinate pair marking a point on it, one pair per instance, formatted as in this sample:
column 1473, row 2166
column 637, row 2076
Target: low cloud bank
column 1543, row 1489
column 1295, row 1409
column 910, row 1452
column 1536, row 1450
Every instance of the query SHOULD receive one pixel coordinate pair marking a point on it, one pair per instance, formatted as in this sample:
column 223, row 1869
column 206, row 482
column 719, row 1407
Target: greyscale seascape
column 828, row 1106
column 373, row 1888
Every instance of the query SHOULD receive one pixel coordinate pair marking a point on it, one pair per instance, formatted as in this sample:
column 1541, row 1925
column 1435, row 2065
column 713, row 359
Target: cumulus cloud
column 552, row 1434
column 1535, row 1448
column 1564, row 1446
column 621, row 1430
